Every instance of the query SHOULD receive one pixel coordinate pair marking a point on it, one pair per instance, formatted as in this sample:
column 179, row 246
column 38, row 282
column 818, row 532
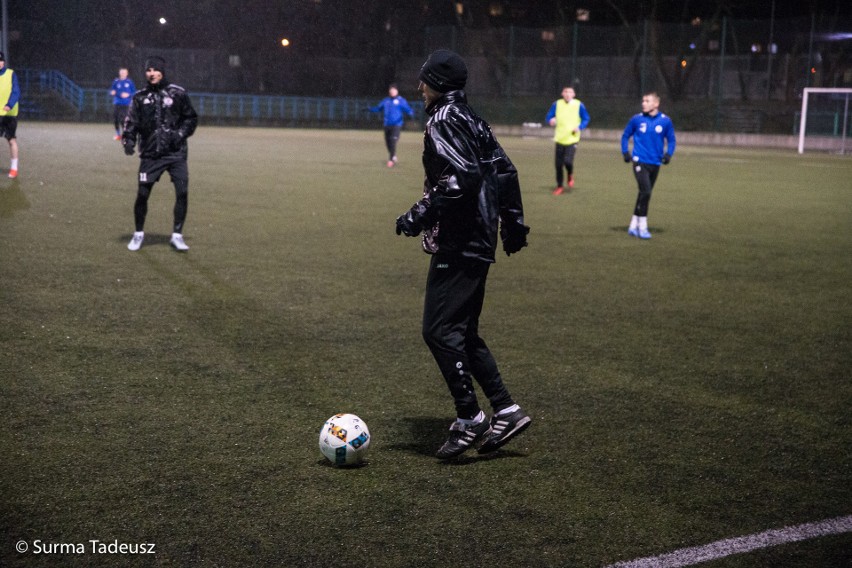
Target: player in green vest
column 569, row 116
column 10, row 93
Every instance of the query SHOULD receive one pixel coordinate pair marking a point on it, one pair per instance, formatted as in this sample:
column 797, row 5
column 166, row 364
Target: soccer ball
column 344, row 439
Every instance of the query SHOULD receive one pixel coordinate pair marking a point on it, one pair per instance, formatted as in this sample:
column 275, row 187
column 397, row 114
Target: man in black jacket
column 471, row 194
column 161, row 118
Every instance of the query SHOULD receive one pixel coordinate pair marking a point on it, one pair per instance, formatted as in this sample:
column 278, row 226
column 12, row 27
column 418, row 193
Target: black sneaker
column 504, row 428
column 463, row 437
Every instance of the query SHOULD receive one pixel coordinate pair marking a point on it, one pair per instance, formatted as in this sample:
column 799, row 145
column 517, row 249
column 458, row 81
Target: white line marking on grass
column 727, row 547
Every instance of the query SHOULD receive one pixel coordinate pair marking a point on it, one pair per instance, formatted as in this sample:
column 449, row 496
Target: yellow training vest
column 6, row 92
column 567, row 119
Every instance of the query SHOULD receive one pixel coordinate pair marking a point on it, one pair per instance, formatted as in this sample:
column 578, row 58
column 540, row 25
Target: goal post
column 828, row 112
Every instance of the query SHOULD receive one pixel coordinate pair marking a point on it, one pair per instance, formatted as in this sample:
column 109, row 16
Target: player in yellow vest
column 10, row 93
column 569, row 116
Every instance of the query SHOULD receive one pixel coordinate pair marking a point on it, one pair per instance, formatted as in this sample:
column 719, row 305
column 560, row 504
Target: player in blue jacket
column 122, row 94
column 393, row 106
column 653, row 144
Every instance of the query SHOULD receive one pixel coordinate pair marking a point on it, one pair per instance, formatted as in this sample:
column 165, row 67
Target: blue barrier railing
column 266, row 107
column 285, row 108
column 51, row 80
column 237, row 107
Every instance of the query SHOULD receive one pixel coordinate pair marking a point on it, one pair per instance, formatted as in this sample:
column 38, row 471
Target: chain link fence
column 721, row 74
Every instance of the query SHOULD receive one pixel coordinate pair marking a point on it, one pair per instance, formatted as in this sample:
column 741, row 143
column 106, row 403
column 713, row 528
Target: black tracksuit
column 471, row 195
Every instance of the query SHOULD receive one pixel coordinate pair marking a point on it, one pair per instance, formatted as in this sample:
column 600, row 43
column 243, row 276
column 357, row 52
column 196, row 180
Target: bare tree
column 674, row 72
column 677, row 73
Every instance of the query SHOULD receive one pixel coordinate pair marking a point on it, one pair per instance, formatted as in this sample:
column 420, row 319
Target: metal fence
column 721, row 75
column 93, row 104
column 721, row 59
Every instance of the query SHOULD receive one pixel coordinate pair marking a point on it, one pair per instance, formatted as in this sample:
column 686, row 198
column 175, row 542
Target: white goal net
column 826, row 120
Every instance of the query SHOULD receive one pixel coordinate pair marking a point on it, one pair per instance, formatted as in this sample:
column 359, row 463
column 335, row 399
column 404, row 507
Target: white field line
column 727, row 547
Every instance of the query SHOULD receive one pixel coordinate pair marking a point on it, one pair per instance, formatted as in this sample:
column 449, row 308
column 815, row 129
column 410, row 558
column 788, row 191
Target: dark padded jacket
column 471, row 190
column 161, row 118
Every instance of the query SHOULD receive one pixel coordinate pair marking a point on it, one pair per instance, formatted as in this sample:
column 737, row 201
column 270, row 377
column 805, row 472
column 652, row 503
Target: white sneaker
column 136, row 241
column 177, row 242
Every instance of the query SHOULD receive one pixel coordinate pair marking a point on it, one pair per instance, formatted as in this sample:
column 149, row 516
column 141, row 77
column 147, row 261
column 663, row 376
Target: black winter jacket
column 161, row 118
column 471, row 188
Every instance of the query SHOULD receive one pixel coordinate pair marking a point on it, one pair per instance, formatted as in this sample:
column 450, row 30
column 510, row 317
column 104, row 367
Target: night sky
column 342, row 27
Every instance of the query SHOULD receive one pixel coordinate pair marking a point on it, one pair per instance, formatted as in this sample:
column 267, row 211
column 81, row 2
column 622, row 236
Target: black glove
column 405, row 226
column 514, row 240
column 626, row 156
column 667, row 158
column 129, row 147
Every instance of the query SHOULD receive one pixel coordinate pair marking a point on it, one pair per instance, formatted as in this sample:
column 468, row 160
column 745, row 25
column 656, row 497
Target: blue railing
column 51, row 80
column 220, row 106
column 287, row 109
column 279, row 109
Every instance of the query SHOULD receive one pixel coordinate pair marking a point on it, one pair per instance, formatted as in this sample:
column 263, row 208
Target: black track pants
column 646, row 177
column 564, row 158
column 391, row 138
column 455, row 291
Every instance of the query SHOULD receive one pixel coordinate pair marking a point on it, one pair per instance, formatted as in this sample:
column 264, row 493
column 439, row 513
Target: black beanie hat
column 444, row 71
column 157, row 63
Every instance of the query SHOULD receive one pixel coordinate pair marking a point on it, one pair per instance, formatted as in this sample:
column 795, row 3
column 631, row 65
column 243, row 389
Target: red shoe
column 390, row 163
column 13, row 174
column 116, row 137
column 571, row 181
column 558, row 190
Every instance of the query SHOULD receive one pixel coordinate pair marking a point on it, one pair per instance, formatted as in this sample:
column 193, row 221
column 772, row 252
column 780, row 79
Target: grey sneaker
column 504, row 428
column 177, row 242
column 136, row 241
column 463, row 437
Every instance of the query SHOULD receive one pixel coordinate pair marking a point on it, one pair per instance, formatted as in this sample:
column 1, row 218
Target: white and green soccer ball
column 344, row 439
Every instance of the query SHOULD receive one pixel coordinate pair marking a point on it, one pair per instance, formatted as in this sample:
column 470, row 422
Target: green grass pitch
column 687, row 389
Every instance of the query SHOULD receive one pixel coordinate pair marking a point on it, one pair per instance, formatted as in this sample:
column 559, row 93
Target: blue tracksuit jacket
column 122, row 86
column 649, row 133
column 393, row 109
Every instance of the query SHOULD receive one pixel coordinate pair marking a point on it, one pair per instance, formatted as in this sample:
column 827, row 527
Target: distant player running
column 10, row 94
column 653, row 144
column 393, row 106
column 569, row 116
column 121, row 92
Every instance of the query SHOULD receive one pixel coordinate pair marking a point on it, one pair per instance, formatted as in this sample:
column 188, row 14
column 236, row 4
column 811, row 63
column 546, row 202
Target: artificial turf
column 683, row 390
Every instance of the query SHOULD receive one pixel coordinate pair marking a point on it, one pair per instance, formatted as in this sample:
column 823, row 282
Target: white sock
column 509, row 410
column 14, row 165
column 138, row 233
column 643, row 223
column 476, row 419
column 634, row 222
